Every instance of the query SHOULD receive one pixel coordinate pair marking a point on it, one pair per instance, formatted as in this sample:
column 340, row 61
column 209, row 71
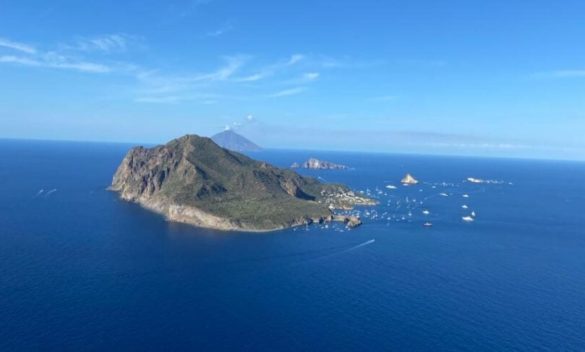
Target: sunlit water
column 82, row 270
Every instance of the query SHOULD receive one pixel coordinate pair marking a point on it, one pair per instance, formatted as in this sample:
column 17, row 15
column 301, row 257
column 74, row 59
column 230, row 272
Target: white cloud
column 81, row 66
column 190, row 7
column 304, row 78
column 288, row 92
column 235, row 71
column 296, row 58
column 241, row 123
column 30, row 56
column 231, row 66
column 173, row 99
column 311, row 76
column 252, row 78
column 345, row 63
column 55, row 61
column 155, row 84
column 152, row 86
column 106, row 43
column 194, row 97
column 156, row 87
column 578, row 73
column 220, row 31
column 18, row 60
column 163, row 86
column 25, row 48
column 484, row 145
column 272, row 69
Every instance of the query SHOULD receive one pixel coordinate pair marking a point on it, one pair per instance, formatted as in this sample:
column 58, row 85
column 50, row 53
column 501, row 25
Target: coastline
column 193, row 216
column 196, row 217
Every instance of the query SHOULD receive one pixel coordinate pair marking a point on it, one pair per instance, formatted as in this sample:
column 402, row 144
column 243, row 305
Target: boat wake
column 50, row 192
column 345, row 251
column 358, row 246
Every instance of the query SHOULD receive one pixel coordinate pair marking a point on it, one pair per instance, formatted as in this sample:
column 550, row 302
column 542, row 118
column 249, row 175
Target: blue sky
column 488, row 78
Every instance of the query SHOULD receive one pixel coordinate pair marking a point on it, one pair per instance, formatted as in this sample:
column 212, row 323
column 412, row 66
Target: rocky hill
column 193, row 180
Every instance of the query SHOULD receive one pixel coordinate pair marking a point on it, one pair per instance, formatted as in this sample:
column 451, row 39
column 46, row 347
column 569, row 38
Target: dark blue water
column 82, row 270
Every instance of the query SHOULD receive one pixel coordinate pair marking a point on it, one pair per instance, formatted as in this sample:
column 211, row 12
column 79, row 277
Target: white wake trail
column 367, row 243
column 50, row 192
column 360, row 245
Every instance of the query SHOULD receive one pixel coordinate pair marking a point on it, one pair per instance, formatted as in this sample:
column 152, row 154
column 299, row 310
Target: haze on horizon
column 484, row 78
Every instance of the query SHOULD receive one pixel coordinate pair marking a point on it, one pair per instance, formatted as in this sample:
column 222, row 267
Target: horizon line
column 355, row 151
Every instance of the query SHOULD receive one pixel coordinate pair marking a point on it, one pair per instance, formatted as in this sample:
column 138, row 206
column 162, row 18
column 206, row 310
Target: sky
column 462, row 77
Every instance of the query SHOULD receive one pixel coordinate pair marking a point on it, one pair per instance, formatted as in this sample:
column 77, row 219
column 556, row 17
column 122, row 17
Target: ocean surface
column 81, row 270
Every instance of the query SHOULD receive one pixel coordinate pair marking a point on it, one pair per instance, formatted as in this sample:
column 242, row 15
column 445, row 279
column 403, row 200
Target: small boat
column 475, row 180
column 466, row 196
column 468, row 219
column 426, row 212
column 428, row 224
column 464, row 206
column 391, row 187
column 443, row 194
column 473, row 213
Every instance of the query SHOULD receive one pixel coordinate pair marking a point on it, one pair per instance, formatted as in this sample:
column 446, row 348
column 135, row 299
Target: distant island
column 313, row 163
column 193, row 180
column 233, row 141
column 409, row 180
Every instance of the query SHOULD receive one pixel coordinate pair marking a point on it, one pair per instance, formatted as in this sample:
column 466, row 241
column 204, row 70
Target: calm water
column 82, row 270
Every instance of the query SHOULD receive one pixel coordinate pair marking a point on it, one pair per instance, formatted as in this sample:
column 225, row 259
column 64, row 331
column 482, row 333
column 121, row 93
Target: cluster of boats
column 403, row 208
column 410, row 180
column 415, row 200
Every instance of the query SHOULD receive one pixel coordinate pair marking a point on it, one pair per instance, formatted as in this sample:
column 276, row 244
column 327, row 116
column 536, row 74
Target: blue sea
column 81, row 270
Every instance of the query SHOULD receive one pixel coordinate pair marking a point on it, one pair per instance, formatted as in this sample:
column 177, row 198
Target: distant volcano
column 231, row 140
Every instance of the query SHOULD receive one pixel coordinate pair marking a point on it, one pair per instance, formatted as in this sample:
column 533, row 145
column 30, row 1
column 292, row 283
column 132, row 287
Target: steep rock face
column 192, row 180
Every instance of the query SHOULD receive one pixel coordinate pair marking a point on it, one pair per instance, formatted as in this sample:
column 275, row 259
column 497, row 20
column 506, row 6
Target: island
column 409, row 180
column 313, row 163
column 193, row 180
column 231, row 140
